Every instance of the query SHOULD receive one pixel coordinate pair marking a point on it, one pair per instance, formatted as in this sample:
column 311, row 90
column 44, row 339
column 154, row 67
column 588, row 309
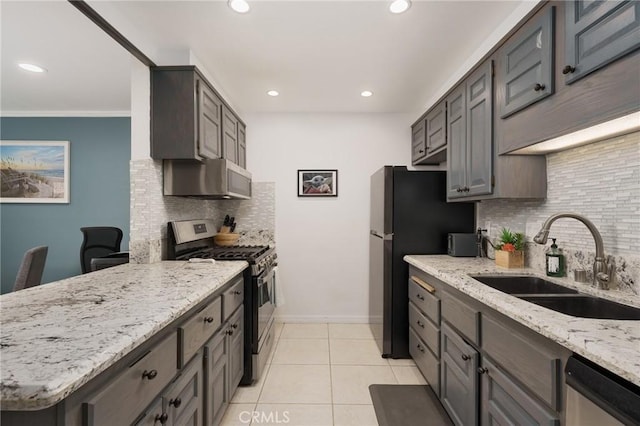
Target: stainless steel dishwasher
column 597, row 397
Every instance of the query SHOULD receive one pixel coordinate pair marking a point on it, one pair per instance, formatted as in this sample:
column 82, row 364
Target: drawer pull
column 420, row 348
column 162, row 418
column 465, row 357
column 482, row 370
column 420, row 323
column 229, row 332
column 568, row 70
column 150, row 375
column 234, row 326
column 208, row 319
column 538, row 87
column 175, row 402
column 431, row 289
column 237, row 292
column 419, row 296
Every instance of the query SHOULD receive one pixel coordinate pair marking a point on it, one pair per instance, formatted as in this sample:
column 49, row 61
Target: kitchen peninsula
column 62, row 339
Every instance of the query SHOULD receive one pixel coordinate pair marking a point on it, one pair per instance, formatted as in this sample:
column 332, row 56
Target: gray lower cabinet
column 597, row 33
column 155, row 415
column 504, row 402
column 470, row 136
column 527, row 61
column 459, row 378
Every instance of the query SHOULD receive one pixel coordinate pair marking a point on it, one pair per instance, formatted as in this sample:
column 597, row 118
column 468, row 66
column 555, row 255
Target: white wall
column 323, row 243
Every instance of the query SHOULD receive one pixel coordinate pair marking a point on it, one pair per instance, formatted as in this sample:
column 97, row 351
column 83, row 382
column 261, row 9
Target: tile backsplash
column 150, row 212
column 600, row 181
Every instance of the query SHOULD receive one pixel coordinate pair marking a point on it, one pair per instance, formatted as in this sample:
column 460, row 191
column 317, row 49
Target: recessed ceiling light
column 240, row 6
column 31, row 67
column 273, row 93
column 399, row 6
column 366, row 93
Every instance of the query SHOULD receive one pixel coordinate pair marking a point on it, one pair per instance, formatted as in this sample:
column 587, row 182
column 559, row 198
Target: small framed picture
column 317, row 183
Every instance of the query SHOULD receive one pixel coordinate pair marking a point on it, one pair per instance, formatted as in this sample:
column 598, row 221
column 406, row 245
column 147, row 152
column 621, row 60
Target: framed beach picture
column 317, row 183
column 34, row 171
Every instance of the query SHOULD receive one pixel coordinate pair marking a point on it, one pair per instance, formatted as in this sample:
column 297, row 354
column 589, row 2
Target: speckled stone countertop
column 58, row 336
column 613, row 344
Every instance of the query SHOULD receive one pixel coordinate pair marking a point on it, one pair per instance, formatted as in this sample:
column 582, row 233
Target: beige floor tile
column 401, row 362
column 250, row 394
column 408, row 375
column 238, row 414
column 297, row 384
column 302, row 351
column 294, row 414
column 350, row 331
column 355, row 352
column 354, row 415
column 304, row 331
column 351, row 383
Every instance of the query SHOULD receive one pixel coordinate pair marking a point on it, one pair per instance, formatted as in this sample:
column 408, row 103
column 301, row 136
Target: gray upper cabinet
column 428, row 136
column 209, row 122
column 470, row 136
column 527, row 61
column 242, row 145
column 418, row 142
column 597, row 33
column 229, row 135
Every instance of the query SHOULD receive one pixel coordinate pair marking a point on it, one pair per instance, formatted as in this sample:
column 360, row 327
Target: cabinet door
column 229, row 135
column 183, row 399
column 435, row 124
column 418, row 142
column 216, row 355
column 458, row 378
column 479, row 115
column 154, row 415
column 504, row 402
column 242, row 146
column 236, row 350
column 597, row 33
column 209, row 122
column 527, row 63
column 456, row 143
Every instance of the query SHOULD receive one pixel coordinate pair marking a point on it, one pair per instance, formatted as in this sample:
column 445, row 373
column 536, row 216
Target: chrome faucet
column 603, row 268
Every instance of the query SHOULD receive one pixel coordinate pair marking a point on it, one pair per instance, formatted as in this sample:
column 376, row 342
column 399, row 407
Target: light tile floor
column 319, row 375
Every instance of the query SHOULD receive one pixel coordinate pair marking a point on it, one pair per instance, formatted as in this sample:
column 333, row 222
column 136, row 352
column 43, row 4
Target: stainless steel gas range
column 189, row 239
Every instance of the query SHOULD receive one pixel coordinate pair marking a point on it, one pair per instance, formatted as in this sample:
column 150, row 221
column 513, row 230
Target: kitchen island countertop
column 613, row 344
column 58, row 336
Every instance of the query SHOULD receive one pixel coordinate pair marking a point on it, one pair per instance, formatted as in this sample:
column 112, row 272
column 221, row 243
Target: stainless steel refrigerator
column 409, row 215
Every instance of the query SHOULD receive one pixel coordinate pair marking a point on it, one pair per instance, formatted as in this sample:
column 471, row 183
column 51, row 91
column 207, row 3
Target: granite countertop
column 58, row 336
column 613, row 344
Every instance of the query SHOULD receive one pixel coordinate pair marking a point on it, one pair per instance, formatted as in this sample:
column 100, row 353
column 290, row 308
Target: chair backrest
column 31, row 268
column 98, row 241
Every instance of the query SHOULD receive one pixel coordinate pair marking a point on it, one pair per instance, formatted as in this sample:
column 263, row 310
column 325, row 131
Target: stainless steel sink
column 584, row 306
column 519, row 285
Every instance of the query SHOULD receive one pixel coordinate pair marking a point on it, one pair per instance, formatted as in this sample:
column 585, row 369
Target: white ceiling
column 318, row 54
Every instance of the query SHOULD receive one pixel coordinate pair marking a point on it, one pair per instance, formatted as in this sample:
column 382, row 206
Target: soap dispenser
column 555, row 261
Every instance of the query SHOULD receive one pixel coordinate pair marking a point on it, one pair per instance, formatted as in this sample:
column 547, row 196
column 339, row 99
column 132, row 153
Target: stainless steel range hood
column 210, row 179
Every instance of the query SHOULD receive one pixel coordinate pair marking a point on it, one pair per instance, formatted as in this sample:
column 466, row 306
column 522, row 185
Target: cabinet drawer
column 529, row 362
column 232, row 298
column 463, row 317
column 132, row 390
column 184, row 397
column 425, row 329
column 424, row 298
column 425, row 360
column 197, row 330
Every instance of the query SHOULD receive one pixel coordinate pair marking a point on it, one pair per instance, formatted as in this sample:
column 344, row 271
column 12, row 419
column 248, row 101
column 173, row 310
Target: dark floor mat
column 409, row 405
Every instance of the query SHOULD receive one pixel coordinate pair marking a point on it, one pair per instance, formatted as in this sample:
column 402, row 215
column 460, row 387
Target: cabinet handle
column 459, row 190
column 237, row 292
column 466, row 189
column 229, row 332
column 420, row 348
column 423, row 284
column 482, row 370
column 175, row 402
column 420, row 323
column 538, row 87
column 419, row 296
column 150, row 375
column 234, row 326
column 208, row 319
column 421, row 151
column 162, row 418
column 568, row 70
column 465, row 357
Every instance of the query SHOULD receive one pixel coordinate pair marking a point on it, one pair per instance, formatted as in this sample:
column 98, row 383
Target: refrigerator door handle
column 386, row 237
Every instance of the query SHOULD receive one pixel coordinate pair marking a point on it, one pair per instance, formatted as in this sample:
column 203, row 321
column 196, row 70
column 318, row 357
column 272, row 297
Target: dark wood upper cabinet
column 418, row 142
column 428, row 136
column 597, row 33
column 527, row 62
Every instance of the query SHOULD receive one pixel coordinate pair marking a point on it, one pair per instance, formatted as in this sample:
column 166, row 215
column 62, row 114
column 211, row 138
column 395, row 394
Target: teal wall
column 100, row 150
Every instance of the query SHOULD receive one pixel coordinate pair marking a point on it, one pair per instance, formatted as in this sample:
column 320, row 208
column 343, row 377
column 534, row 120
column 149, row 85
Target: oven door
column 265, row 288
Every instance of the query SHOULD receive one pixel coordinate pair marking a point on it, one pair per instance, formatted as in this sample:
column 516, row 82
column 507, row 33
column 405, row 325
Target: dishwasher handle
column 612, row 393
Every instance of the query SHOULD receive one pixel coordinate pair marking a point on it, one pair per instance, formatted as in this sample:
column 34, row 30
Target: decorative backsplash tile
column 600, row 181
column 150, row 212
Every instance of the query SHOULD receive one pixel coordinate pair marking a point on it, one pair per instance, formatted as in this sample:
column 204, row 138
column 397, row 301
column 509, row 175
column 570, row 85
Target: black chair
column 31, row 268
column 99, row 241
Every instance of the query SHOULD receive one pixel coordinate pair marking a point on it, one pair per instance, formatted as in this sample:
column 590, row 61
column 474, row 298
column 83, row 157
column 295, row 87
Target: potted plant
column 510, row 249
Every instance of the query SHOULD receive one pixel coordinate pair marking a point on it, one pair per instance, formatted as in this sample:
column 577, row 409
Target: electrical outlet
column 487, row 226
